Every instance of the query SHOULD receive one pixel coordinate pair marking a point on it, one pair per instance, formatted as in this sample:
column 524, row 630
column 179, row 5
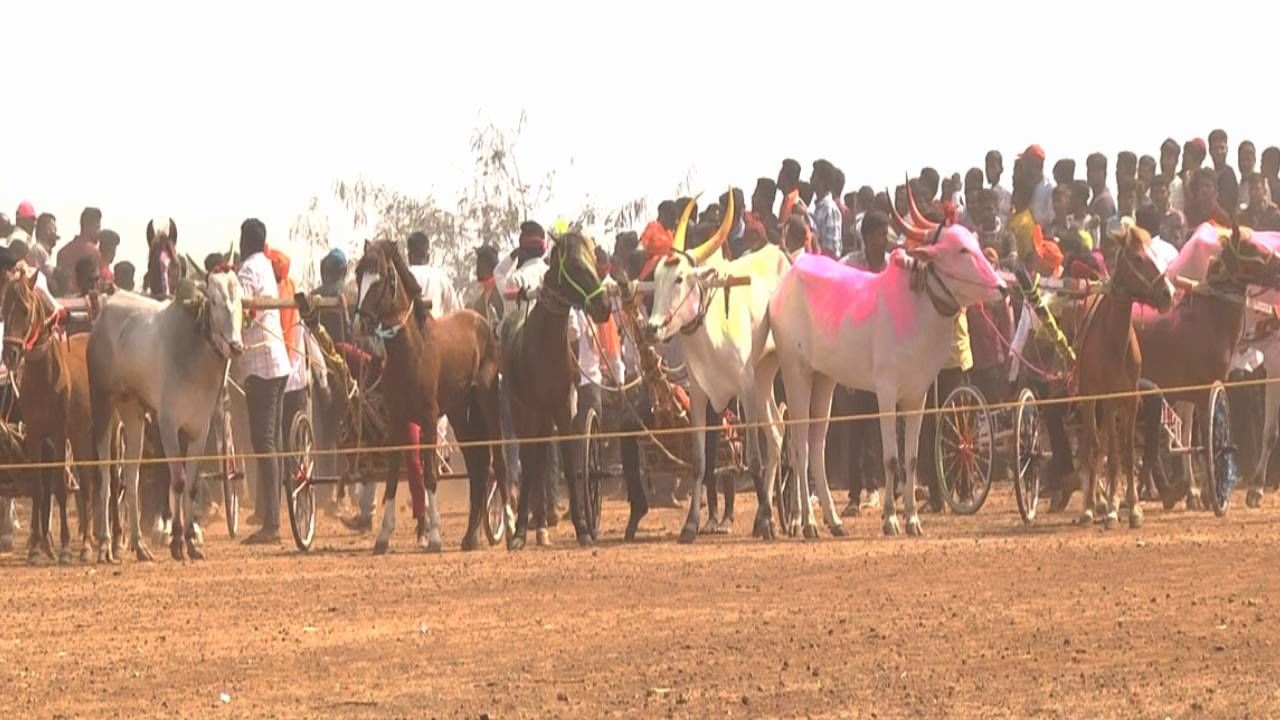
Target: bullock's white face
column 677, row 296
column 226, row 313
column 962, row 266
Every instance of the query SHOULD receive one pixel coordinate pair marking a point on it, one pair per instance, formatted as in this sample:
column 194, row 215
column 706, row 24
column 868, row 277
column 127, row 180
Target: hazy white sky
column 216, row 112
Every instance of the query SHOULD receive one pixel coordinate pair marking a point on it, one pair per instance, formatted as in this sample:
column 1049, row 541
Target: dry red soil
column 981, row 618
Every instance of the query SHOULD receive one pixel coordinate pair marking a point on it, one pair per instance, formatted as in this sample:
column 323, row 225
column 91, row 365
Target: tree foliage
column 488, row 210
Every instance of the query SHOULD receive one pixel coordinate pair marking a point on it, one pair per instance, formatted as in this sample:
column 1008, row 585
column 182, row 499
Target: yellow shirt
column 1023, row 225
column 961, row 353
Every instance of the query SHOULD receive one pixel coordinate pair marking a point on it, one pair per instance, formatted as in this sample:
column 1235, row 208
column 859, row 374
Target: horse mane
column 391, row 253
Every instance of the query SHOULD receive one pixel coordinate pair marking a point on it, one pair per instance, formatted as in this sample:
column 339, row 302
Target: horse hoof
column 709, row 528
column 175, row 550
column 143, row 553
column 1110, row 520
column 688, row 535
column 1254, row 498
column 543, row 537
column 810, row 532
column 1220, row 510
column 585, row 540
column 64, row 557
column 891, row 527
column 836, row 530
column 194, row 552
column 33, row 557
column 516, row 542
column 914, row 528
column 725, row 526
column 117, row 552
column 1086, row 519
column 469, row 544
column 1135, row 520
column 380, row 547
column 86, row 555
column 794, row 530
column 1194, row 504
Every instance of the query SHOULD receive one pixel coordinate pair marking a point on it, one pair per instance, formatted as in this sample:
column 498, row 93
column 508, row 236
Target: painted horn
column 903, row 227
column 706, row 249
column 682, row 228
column 918, row 217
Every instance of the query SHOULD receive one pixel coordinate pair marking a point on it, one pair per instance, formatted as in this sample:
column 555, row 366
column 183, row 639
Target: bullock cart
column 973, row 440
column 654, row 401
column 362, row 426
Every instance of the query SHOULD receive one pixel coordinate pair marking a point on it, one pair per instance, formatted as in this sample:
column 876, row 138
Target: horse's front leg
column 572, row 475
column 383, row 542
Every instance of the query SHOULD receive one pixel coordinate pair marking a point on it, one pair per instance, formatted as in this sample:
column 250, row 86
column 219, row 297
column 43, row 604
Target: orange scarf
column 285, row 289
column 657, row 242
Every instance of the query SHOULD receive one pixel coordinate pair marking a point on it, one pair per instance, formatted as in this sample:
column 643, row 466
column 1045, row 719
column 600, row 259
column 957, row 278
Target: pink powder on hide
column 838, row 294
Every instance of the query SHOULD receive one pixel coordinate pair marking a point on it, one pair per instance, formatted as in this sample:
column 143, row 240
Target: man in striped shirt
column 826, row 214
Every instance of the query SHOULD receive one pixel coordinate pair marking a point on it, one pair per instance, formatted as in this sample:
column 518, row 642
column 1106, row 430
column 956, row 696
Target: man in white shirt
column 434, row 281
column 1042, row 197
column 524, row 267
column 264, row 369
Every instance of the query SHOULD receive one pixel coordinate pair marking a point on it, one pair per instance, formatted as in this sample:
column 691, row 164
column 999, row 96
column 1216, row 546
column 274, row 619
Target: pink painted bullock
column 889, row 334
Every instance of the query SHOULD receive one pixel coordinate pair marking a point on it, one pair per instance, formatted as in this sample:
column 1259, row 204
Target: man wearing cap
column 1042, row 193
column 24, row 226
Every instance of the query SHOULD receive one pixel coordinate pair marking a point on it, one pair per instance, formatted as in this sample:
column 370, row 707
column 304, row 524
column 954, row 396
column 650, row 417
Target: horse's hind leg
column 64, row 535
column 1128, row 423
column 527, row 488
column 1113, row 442
column 477, row 457
column 1090, row 442
column 383, row 541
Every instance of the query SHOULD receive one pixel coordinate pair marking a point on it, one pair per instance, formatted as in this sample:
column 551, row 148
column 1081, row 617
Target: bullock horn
column 903, row 227
column 708, row 248
column 683, row 226
column 918, row 217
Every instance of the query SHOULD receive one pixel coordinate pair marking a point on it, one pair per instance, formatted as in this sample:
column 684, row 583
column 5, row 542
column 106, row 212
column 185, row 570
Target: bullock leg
column 84, row 504
column 820, row 408
column 172, row 446
column 193, row 537
column 698, row 419
column 767, row 407
column 1271, row 413
column 798, row 383
column 888, row 401
column 383, row 541
column 710, row 450
column 912, row 448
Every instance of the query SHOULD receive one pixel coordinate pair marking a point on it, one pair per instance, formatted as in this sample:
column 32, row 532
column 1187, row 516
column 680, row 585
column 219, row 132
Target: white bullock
column 889, row 334
column 715, row 326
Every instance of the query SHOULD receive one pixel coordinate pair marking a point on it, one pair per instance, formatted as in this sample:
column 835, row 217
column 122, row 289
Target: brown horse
column 1193, row 345
column 53, row 397
column 1110, row 361
column 541, row 373
column 431, row 367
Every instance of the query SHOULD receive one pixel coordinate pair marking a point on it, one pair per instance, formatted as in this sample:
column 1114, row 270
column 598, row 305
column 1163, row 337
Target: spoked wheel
column 1027, row 454
column 591, row 471
column 495, row 516
column 964, row 449
column 783, row 501
column 299, row 491
column 1220, row 457
column 232, row 475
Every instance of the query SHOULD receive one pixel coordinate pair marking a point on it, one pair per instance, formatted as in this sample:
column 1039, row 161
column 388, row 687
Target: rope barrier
column 613, row 435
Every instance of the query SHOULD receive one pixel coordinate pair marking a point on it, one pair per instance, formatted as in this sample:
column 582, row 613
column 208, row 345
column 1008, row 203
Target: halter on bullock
column 430, row 367
column 542, row 375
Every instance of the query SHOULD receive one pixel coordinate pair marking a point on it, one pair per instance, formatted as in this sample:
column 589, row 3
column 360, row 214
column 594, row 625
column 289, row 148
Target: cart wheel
column 591, row 451
column 231, row 476
column 963, row 450
column 495, row 516
column 299, row 491
column 785, row 504
column 1221, row 456
column 1027, row 451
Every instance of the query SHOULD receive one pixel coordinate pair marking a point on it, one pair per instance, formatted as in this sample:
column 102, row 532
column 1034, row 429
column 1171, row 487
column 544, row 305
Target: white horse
column 168, row 359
